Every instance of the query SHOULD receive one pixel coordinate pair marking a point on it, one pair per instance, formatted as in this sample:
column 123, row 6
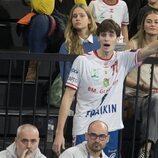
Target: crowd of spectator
column 98, row 31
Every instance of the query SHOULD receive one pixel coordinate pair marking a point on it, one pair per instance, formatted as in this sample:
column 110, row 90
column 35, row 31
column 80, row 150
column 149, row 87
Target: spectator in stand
column 65, row 6
column 80, row 35
column 25, row 144
column 88, row 1
column 97, row 79
column 152, row 5
column 134, row 9
column 112, row 9
column 96, row 139
column 38, row 33
column 147, row 34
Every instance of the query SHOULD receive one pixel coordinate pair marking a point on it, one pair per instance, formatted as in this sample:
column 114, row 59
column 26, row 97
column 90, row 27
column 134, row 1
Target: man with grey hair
column 25, row 144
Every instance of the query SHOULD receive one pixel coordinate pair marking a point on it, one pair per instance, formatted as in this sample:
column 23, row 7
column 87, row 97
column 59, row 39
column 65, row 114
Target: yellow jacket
column 80, row 1
column 47, row 6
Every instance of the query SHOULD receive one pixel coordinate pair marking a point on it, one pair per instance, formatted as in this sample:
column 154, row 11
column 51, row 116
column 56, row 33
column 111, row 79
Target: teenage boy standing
column 97, row 78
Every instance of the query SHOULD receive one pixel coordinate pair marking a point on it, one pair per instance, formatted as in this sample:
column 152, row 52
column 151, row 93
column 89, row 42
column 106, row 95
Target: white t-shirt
column 78, row 151
column 99, row 85
column 118, row 12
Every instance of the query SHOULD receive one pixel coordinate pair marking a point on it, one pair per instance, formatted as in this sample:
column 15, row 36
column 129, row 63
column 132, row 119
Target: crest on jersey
column 106, row 82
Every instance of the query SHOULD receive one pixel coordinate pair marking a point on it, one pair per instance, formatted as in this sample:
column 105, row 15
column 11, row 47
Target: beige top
column 145, row 76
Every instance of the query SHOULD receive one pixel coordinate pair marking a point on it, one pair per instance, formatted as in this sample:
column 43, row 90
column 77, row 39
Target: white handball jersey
column 99, row 85
column 118, row 12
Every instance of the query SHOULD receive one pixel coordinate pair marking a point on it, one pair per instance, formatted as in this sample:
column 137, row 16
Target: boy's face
column 108, row 41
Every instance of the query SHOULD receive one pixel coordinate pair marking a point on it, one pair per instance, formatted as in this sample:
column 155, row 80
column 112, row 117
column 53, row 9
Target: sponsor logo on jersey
column 91, row 89
column 72, row 79
column 74, row 71
column 95, row 74
column 105, row 109
column 95, row 90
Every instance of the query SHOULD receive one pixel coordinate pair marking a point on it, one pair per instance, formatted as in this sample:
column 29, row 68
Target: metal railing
column 17, row 106
column 23, row 101
column 134, row 139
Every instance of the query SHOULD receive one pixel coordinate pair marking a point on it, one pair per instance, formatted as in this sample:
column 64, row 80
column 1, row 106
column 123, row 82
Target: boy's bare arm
column 148, row 50
column 59, row 142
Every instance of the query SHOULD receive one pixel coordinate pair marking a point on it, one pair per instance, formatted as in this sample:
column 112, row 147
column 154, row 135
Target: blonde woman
column 80, row 35
column 36, row 36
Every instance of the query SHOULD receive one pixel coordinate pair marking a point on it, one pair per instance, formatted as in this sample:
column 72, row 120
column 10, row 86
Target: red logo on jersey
column 111, row 10
column 115, row 67
column 91, row 89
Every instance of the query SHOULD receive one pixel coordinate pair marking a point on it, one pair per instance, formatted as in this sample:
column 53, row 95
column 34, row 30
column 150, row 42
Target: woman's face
column 80, row 19
column 152, row 1
column 151, row 24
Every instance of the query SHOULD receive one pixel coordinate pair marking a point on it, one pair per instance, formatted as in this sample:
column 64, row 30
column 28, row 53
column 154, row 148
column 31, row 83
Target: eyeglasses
column 26, row 141
column 94, row 136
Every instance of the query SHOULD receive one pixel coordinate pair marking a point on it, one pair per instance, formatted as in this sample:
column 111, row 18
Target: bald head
column 98, row 124
column 97, row 137
column 27, row 127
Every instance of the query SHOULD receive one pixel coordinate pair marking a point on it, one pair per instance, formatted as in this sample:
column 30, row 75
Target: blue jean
column 37, row 33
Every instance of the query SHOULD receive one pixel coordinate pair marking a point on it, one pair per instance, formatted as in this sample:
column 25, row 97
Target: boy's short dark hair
column 109, row 25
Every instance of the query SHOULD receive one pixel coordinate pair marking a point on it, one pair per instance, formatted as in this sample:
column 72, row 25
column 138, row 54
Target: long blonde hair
column 72, row 39
column 140, row 35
